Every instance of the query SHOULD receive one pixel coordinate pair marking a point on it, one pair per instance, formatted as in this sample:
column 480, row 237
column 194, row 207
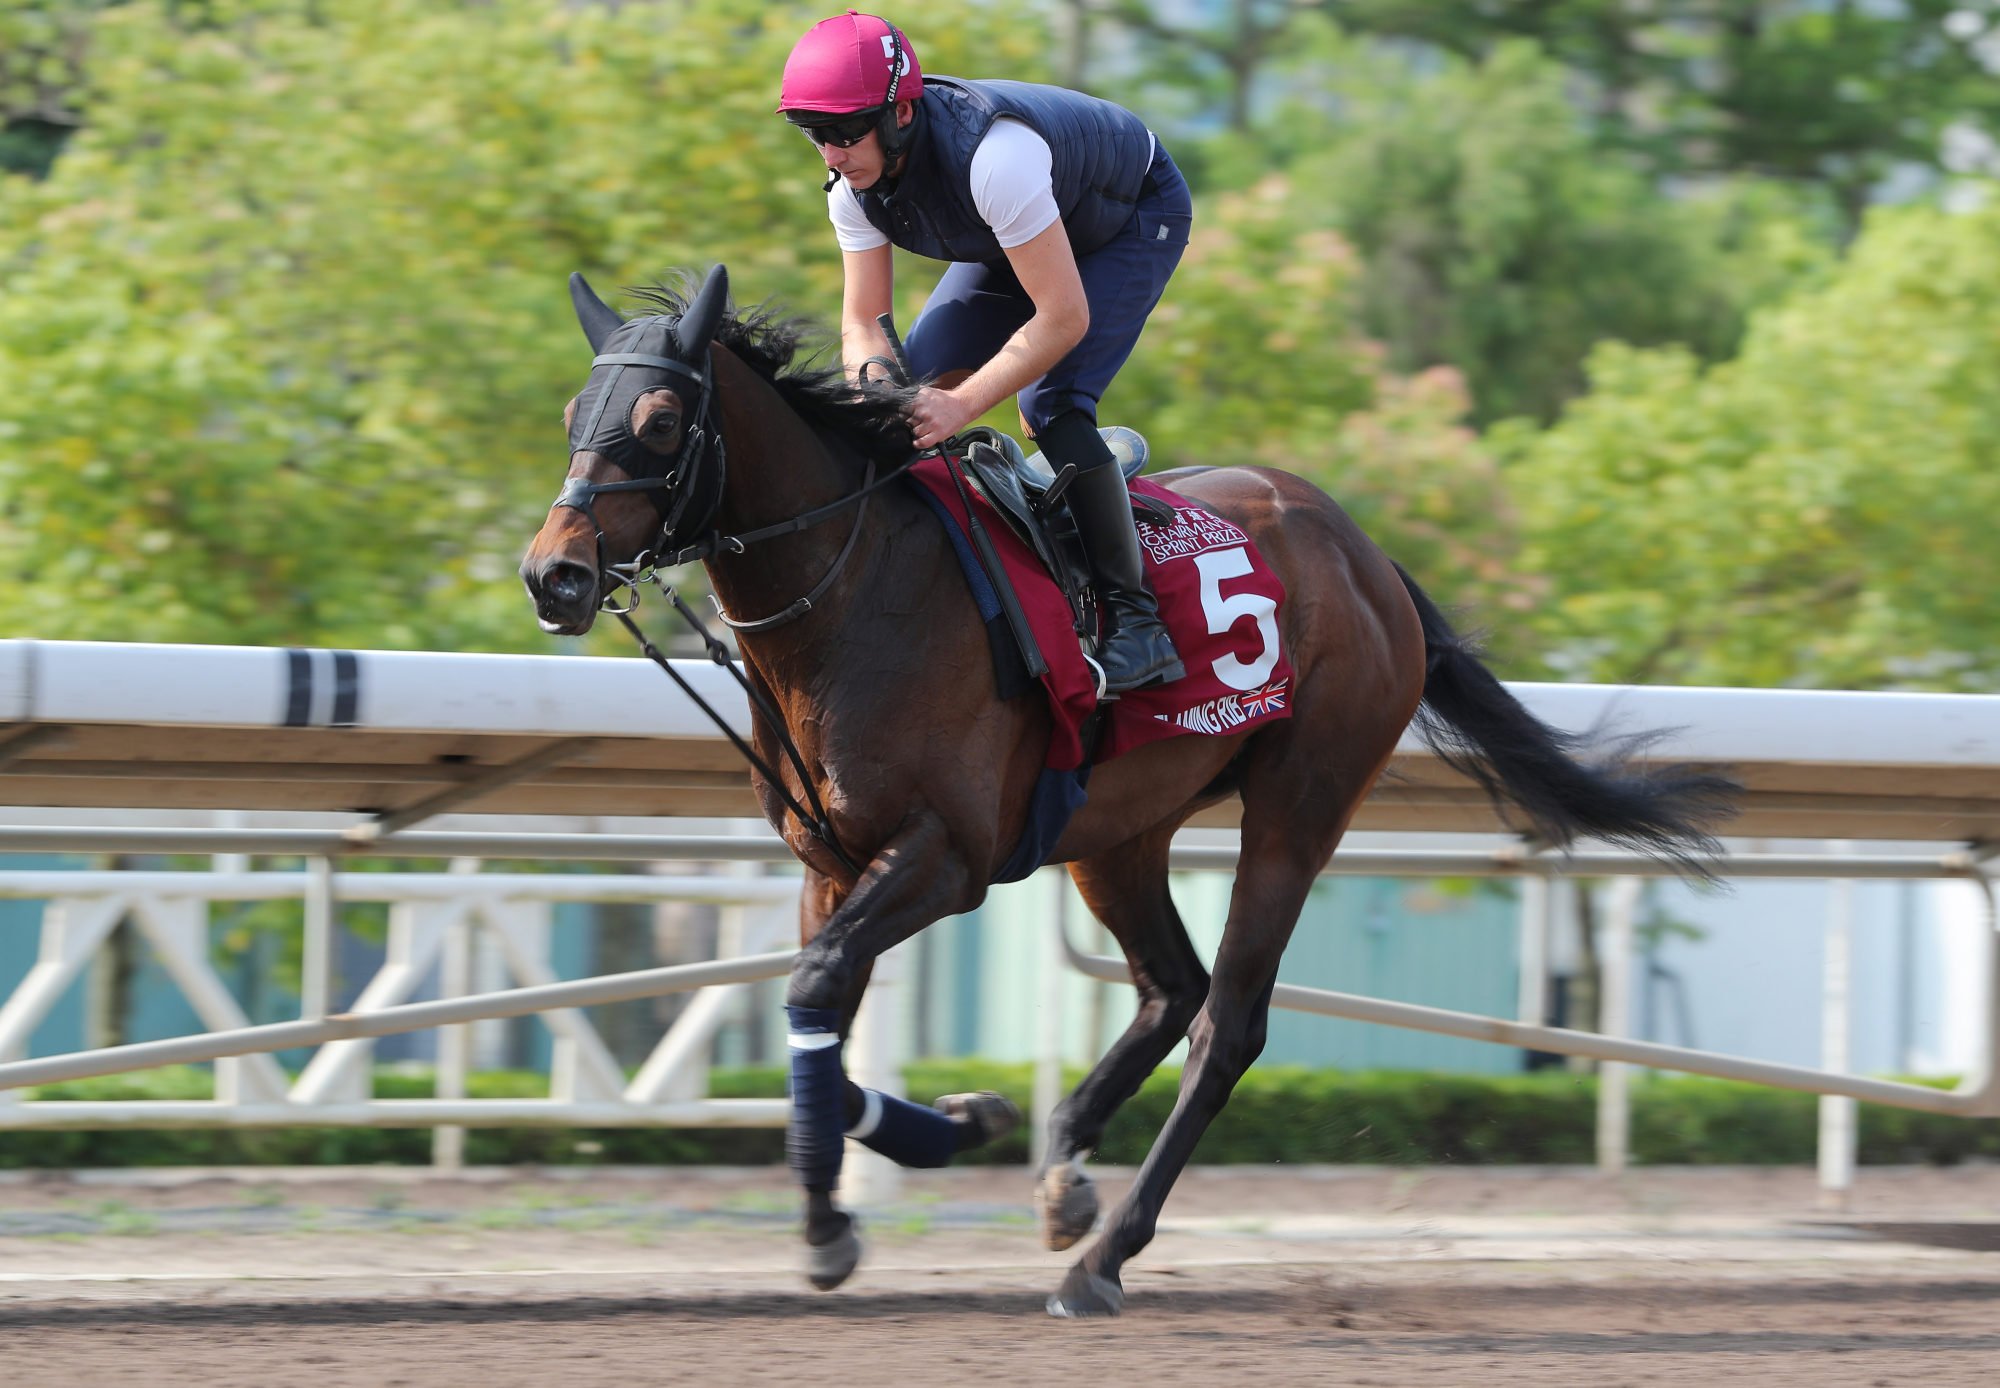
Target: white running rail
column 428, row 914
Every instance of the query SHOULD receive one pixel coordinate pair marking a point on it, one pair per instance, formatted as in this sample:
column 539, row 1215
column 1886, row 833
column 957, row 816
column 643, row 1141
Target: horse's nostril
column 568, row 583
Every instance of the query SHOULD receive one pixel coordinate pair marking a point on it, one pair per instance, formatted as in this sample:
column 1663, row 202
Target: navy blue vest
column 1099, row 152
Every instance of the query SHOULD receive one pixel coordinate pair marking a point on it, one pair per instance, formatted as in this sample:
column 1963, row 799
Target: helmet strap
column 894, row 139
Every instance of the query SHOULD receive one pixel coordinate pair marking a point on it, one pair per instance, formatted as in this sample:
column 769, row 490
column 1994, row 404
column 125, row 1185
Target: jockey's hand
column 935, row 415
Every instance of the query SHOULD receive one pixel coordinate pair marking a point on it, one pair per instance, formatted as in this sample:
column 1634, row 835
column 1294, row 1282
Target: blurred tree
column 41, row 74
column 1073, row 25
column 1499, row 239
column 283, row 333
column 1816, row 512
column 1835, row 96
column 1217, row 59
column 285, row 340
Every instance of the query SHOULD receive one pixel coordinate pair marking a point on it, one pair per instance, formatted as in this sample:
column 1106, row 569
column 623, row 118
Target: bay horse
column 699, row 431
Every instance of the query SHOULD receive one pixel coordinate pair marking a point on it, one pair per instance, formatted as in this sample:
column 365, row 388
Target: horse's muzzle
column 565, row 594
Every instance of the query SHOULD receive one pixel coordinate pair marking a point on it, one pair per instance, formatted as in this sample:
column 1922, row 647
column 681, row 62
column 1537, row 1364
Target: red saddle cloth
column 1217, row 596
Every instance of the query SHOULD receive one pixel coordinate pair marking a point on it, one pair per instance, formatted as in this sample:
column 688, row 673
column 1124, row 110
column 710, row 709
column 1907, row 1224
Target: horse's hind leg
column 1227, row 1035
column 1127, row 890
column 1295, row 809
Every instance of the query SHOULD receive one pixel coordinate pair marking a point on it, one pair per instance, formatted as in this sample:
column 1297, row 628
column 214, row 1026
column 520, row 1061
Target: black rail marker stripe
column 346, row 688
column 298, row 687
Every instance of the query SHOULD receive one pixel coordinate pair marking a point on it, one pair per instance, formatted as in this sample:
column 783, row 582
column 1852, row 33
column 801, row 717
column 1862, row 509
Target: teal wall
column 20, row 943
column 157, row 1010
column 1420, row 942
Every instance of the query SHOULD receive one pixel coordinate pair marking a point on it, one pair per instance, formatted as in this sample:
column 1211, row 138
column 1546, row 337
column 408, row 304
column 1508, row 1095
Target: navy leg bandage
column 813, row 1137
column 906, row 1133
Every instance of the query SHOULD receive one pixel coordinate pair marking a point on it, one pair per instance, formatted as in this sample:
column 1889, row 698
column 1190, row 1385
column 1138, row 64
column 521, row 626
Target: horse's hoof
column 1084, row 1294
column 830, row 1264
column 991, row 1116
column 1067, row 1200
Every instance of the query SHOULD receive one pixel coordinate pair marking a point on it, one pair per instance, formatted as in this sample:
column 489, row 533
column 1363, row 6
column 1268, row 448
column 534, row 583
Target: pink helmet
column 843, row 64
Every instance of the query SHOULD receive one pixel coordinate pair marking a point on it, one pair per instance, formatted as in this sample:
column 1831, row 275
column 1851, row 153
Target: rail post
column 1837, row 1135
column 1614, row 1099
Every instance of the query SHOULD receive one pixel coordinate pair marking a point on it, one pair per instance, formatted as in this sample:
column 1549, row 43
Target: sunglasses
column 843, row 132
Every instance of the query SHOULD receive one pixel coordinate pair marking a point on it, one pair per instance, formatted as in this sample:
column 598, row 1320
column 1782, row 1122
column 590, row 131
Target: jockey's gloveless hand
column 935, row 415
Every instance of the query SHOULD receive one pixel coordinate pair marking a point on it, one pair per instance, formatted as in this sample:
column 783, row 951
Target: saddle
column 1028, row 493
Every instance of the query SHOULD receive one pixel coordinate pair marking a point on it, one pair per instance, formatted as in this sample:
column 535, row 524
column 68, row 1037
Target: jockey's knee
column 1072, row 437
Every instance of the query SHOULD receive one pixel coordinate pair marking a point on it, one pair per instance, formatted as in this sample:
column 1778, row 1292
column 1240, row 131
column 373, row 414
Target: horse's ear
column 704, row 315
column 599, row 319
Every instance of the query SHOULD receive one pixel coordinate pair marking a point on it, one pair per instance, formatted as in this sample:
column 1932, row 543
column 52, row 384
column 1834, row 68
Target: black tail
column 1479, row 729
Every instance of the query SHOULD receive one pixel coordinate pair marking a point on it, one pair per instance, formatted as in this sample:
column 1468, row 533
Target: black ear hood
column 698, row 324
column 598, row 318
column 631, row 360
column 646, row 354
column 603, row 419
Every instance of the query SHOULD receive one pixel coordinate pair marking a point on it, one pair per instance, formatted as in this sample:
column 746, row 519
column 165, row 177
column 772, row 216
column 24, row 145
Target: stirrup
column 1099, row 678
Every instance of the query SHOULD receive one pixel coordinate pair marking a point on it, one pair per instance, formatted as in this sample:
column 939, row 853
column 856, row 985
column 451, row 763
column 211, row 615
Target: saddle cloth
column 1217, row 596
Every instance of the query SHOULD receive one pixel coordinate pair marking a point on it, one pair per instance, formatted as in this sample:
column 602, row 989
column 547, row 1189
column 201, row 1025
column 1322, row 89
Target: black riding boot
column 1138, row 651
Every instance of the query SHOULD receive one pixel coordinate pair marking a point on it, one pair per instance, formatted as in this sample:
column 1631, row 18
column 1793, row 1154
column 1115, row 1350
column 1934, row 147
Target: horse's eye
column 661, row 427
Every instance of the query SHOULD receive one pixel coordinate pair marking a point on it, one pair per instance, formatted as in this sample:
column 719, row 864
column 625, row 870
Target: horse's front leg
column 914, row 880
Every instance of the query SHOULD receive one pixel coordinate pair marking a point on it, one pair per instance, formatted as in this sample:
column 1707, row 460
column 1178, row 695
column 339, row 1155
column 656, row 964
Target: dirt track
column 1363, row 1277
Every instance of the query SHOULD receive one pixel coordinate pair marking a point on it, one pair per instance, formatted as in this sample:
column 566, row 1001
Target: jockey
column 1062, row 217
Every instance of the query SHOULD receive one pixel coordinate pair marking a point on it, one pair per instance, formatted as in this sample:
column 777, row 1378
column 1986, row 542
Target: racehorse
column 700, row 433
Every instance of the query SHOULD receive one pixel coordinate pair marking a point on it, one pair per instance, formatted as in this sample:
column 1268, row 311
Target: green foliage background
column 1584, row 309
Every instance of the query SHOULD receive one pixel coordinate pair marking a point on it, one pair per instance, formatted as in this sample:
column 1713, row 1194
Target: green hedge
column 1279, row 1114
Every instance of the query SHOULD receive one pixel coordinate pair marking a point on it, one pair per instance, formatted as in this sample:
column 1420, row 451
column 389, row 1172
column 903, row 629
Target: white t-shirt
column 1011, row 187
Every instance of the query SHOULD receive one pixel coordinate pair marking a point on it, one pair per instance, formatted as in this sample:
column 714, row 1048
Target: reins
column 715, row 542
column 801, row 606
column 812, row 814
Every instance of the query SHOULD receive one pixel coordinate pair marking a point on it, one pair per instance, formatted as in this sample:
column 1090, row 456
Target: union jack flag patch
column 1269, row 699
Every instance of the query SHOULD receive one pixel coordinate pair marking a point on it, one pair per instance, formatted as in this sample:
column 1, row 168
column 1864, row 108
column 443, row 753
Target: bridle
column 685, row 489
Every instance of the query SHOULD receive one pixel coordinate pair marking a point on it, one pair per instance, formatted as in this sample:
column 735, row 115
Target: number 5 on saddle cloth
column 1218, row 597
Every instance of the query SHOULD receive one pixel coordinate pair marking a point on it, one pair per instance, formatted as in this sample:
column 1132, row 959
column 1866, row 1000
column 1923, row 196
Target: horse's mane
column 770, row 342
